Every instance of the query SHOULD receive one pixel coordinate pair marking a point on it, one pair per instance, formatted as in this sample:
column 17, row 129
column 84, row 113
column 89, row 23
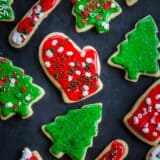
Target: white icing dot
column 105, row 25
column 85, row 88
column 150, row 109
column 70, row 78
column 113, row 5
column 69, row 53
column 157, row 106
column 81, row 7
column 148, row 101
column 88, row 74
column 60, row 49
column 78, row 72
column 153, row 121
column 54, row 42
column 36, row 19
column 49, row 53
column 135, row 120
column 158, row 127
column 85, row 93
column 72, row 64
column 83, row 64
column 27, row 154
column 156, row 113
column 157, row 97
column 9, row 105
column 145, row 130
column 155, row 134
column 38, row 9
column 12, row 80
column 83, row 53
column 47, row 64
column 28, row 98
column 140, row 116
column 89, row 60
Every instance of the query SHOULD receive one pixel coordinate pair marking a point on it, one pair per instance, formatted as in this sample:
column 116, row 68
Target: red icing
column 34, row 157
column 60, row 69
column 116, row 151
column 27, row 24
column 149, row 125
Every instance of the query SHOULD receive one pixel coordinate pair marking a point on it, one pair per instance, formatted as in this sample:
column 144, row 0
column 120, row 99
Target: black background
column 118, row 95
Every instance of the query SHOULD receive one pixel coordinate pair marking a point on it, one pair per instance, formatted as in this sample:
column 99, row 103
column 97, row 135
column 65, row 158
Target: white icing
column 49, row 53
column 69, row 53
column 9, row 105
column 105, row 25
column 60, row 49
column 88, row 74
column 155, row 134
column 27, row 154
column 18, row 38
column 135, row 120
column 70, row 78
column 83, row 53
column 150, row 109
column 83, row 64
column 140, row 116
column 148, row 101
column 28, row 98
column 157, row 97
column 72, row 64
column 89, row 60
column 54, row 42
column 47, row 64
column 85, row 93
column 81, row 7
column 157, row 106
column 78, row 72
column 145, row 130
column 113, row 5
column 85, row 88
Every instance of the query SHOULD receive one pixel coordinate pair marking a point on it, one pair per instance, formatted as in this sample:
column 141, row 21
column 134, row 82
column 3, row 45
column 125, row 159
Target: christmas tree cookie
column 154, row 153
column 94, row 13
column 73, row 133
column 6, row 11
column 17, row 92
column 144, row 119
column 116, row 150
column 131, row 2
column 74, row 71
column 29, row 155
column 139, row 53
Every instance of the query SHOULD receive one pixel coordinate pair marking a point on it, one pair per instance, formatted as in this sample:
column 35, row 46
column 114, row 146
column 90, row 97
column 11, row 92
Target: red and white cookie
column 144, row 119
column 27, row 26
column 154, row 153
column 27, row 154
column 131, row 2
column 73, row 71
column 116, row 150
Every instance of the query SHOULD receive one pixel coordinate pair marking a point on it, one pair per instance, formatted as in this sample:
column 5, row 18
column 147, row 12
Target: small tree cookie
column 139, row 53
column 73, row 133
column 17, row 92
column 96, row 13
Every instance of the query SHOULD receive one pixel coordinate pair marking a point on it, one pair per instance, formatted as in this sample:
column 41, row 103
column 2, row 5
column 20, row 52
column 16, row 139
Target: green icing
column 6, row 11
column 95, row 13
column 17, row 92
column 73, row 133
column 139, row 52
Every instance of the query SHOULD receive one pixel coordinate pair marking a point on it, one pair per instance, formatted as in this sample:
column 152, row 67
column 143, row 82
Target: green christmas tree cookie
column 139, row 54
column 98, row 13
column 17, row 92
column 6, row 11
column 73, row 133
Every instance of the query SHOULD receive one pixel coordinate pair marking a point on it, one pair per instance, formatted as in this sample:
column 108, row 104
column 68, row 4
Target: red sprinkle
column 107, row 5
column 23, row 89
column 86, row 13
column 84, row 21
column 3, row 60
column 1, row 83
column 15, row 106
column 5, row 79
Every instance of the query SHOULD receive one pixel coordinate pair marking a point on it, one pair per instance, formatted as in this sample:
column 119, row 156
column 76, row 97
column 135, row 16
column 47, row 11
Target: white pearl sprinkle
column 88, row 74
column 135, row 120
column 153, row 121
column 60, row 49
column 105, row 25
column 47, row 64
column 78, row 72
column 85, row 93
column 70, row 78
column 113, row 5
column 83, row 64
column 157, row 106
column 83, row 53
column 140, row 116
column 9, row 105
column 49, row 53
column 72, row 64
column 145, row 130
column 148, row 101
column 89, row 60
column 85, row 88
column 54, row 42
column 156, row 113
column 150, row 109
column 28, row 98
column 157, row 97
column 81, row 7
column 69, row 53
column 155, row 134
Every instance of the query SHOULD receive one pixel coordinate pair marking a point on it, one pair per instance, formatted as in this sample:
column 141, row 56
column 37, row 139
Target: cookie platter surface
column 118, row 95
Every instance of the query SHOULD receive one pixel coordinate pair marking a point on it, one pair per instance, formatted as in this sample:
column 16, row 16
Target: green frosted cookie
column 17, row 92
column 73, row 133
column 139, row 53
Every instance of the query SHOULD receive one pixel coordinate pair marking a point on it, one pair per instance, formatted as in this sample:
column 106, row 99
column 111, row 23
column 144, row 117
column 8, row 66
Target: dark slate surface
column 117, row 97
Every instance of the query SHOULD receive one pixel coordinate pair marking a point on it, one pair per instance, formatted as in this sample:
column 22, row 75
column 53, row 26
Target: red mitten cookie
column 74, row 71
column 144, row 118
column 29, row 155
column 27, row 26
column 116, row 150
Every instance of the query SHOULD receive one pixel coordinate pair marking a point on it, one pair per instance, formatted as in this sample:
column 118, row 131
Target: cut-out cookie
column 74, row 72
column 154, row 153
column 116, row 150
column 17, row 92
column 27, row 26
column 73, row 133
column 139, row 54
column 27, row 154
column 144, row 119
column 94, row 13
column 6, row 11
column 131, row 2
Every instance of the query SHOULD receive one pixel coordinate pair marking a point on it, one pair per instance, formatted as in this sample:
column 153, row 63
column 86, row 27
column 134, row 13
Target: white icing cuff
column 18, row 38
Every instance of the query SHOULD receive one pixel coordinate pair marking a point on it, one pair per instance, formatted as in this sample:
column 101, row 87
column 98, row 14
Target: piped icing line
column 94, row 13
column 66, row 131
column 154, row 153
column 131, row 2
column 27, row 26
column 143, row 120
column 6, row 11
column 138, row 54
column 74, row 71
column 27, row 154
column 116, row 150
column 17, row 91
